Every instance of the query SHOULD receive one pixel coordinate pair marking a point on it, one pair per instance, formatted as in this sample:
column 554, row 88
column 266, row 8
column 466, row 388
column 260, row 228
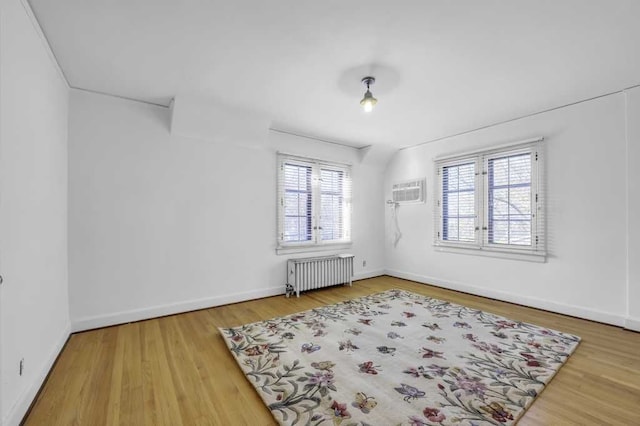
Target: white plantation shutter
column 492, row 200
column 314, row 202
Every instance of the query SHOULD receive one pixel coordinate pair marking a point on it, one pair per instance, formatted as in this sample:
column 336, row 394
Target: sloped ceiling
column 442, row 67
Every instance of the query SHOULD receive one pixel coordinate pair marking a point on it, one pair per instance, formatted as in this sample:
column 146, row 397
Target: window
column 492, row 201
column 314, row 204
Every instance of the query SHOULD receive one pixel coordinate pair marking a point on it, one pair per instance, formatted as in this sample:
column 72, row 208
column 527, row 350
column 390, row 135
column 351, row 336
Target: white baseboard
column 88, row 323
column 631, row 323
column 23, row 402
column 368, row 274
column 534, row 302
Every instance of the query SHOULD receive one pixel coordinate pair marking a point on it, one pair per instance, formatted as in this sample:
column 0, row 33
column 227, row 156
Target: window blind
column 510, row 200
column 297, row 202
column 458, row 202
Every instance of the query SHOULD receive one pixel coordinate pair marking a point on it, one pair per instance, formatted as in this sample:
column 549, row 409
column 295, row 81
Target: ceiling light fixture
column 368, row 101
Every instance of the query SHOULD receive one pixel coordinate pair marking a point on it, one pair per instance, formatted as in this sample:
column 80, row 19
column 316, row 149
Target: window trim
column 316, row 243
column 536, row 251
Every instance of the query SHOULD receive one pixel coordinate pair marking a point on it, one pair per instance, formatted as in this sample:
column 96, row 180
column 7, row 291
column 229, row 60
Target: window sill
column 493, row 252
column 312, row 248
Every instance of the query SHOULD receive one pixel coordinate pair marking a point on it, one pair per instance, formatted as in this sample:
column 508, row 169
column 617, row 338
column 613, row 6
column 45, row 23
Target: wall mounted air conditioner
column 411, row 191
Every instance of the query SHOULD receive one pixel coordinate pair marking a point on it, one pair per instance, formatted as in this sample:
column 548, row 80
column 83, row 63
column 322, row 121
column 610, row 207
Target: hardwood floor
column 177, row 370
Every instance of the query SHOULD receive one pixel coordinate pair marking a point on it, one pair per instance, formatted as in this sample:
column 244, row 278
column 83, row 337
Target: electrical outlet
column 364, row 263
column 21, row 369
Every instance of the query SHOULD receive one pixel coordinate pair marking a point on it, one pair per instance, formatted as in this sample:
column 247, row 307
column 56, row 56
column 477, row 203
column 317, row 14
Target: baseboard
column 631, row 323
column 16, row 413
column 547, row 305
column 88, row 323
column 368, row 274
column 99, row 321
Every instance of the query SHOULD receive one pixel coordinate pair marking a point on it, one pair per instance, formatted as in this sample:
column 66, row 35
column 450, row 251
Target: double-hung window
column 314, row 204
column 492, row 202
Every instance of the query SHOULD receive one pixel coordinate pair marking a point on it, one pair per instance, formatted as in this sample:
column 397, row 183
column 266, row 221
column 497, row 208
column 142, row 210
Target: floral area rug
column 397, row 358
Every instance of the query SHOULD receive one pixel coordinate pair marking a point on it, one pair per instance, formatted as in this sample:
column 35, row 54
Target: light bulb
column 368, row 101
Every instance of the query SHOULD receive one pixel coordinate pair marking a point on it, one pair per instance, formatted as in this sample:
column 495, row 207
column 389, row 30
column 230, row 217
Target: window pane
column 297, row 202
column 467, row 177
column 499, row 202
column 499, row 232
column 331, row 204
column 451, row 206
column 451, row 178
column 297, row 229
column 451, row 229
column 500, row 168
column 466, row 203
column 520, row 201
column 510, row 200
column 331, row 181
column 520, row 169
column 520, row 232
column 331, row 217
column 467, row 229
column 296, row 177
column 458, row 202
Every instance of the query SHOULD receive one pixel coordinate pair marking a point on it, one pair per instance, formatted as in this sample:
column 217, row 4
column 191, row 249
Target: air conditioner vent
column 411, row 191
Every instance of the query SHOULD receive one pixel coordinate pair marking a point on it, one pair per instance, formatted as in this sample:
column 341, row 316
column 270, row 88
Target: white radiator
column 317, row 272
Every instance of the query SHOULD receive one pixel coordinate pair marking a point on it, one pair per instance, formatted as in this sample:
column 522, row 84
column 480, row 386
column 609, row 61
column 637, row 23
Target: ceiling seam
column 43, row 38
column 97, row 92
column 286, row 132
column 522, row 117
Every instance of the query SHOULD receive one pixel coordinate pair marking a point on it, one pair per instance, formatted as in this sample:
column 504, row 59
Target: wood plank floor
column 177, row 370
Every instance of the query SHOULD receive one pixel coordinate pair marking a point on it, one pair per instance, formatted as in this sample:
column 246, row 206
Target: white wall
column 34, row 313
column 633, row 181
column 161, row 223
column 585, row 273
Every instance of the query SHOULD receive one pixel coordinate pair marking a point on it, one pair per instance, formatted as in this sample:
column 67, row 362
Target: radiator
column 317, row 272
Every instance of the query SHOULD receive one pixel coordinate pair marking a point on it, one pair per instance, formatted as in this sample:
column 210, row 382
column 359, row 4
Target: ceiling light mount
column 368, row 81
column 368, row 101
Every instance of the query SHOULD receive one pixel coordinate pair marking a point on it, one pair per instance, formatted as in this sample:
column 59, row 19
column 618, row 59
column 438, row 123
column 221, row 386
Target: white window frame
column 481, row 246
column 316, row 243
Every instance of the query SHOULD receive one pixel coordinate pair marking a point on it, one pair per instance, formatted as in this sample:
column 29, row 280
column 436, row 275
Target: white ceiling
column 443, row 67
